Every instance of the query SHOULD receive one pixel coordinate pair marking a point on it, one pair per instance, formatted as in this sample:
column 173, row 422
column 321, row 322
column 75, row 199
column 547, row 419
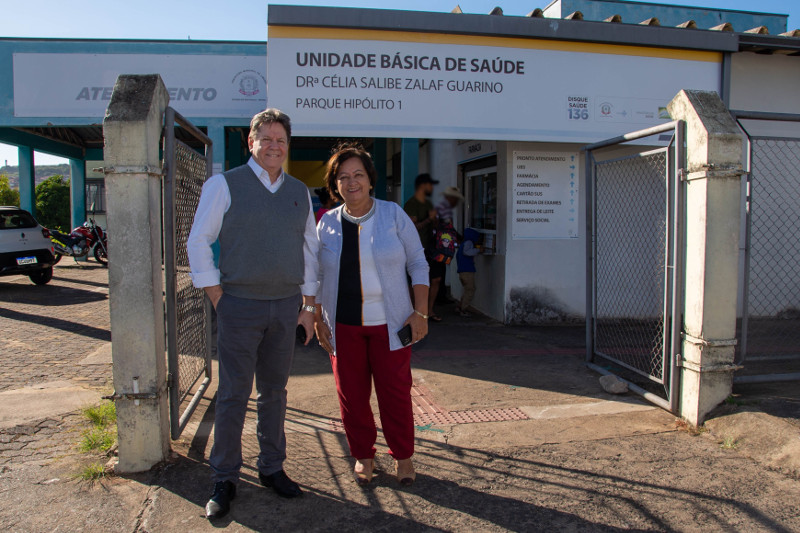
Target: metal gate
column 634, row 216
column 769, row 337
column 188, row 311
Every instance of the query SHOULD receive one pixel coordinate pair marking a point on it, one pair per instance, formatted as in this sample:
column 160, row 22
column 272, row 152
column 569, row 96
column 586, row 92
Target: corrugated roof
column 746, row 44
column 669, row 15
column 654, row 19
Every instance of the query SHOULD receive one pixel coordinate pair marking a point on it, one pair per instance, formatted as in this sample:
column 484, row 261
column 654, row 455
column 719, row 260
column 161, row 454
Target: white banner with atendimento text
column 80, row 85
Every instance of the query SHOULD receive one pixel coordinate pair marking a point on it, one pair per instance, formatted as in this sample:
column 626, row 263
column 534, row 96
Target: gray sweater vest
column 262, row 237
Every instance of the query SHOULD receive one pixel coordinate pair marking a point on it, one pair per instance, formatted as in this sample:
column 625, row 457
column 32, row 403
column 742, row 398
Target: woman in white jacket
column 368, row 248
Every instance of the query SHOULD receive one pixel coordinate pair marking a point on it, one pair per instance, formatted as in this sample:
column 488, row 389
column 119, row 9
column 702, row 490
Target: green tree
column 52, row 203
column 8, row 196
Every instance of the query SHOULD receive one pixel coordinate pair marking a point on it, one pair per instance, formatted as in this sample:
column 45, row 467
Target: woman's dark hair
column 342, row 153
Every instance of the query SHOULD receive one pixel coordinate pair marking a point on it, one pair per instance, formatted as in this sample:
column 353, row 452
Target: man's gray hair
column 271, row 116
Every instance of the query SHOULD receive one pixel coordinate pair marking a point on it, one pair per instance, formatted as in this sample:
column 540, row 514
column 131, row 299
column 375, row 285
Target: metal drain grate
column 455, row 417
column 470, row 417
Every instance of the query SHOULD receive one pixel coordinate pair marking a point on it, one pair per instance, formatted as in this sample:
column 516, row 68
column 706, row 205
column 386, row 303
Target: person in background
column 421, row 211
column 445, row 224
column 264, row 221
column 327, row 203
column 444, row 209
column 368, row 247
column 465, row 259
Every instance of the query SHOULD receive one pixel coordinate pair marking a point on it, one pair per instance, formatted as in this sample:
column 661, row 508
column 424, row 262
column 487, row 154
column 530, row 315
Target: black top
column 350, row 302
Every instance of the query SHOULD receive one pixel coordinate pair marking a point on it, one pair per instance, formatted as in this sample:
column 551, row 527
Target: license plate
column 26, row 260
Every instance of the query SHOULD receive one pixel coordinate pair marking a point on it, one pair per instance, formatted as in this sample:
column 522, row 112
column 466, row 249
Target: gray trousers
column 253, row 337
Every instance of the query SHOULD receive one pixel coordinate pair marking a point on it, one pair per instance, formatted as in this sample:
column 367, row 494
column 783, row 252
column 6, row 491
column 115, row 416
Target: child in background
column 327, row 203
column 465, row 258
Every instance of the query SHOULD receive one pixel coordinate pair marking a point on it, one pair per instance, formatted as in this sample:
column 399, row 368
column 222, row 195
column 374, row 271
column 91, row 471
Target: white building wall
column 544, row 278
column 442, row 166
column 762, row 82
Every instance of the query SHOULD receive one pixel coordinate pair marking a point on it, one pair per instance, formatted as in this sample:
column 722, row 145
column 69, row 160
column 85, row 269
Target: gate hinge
column 720, row 367
column 132, row 396
column 711, row 343
column 170, row 379
column 132, row 169
column 135, row 395
column 716, row 172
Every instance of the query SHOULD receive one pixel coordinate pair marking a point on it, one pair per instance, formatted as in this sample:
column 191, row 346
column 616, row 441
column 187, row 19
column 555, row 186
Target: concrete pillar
column 713, row 208
column 409, row 168
column 77, row 191
column 27, row 180
column 132, row 131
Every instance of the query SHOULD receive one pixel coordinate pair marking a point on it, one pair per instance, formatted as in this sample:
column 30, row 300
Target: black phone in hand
column 405, row 334
column 300, row 333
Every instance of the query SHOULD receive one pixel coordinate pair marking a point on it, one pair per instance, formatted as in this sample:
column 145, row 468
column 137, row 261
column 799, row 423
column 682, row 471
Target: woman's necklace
column 359, row 220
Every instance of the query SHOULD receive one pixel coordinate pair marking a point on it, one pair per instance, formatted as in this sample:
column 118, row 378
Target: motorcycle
column 84, row 239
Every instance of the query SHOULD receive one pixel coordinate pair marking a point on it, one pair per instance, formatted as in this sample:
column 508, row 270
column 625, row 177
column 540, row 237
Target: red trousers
column 363, row 355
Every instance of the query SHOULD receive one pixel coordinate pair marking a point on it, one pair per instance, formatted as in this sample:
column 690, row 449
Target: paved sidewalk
column 56, row 355
column 513, row 434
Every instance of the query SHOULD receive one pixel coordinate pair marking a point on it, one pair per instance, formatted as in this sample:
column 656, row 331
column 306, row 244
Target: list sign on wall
column 545, row 195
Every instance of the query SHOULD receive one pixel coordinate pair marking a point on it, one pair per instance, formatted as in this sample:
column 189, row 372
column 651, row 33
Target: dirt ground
column 636, row 469
column 576, row 459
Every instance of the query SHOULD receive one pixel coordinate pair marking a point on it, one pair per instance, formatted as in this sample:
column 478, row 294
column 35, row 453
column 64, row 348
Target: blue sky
column 244, row 20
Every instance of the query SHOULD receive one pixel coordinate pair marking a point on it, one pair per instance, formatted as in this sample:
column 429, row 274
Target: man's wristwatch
column 310, row 308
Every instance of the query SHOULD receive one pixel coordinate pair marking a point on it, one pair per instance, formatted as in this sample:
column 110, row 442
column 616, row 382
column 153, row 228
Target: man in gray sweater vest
column 265, row 224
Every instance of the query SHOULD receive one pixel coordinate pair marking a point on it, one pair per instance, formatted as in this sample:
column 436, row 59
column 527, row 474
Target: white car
column 25, row 247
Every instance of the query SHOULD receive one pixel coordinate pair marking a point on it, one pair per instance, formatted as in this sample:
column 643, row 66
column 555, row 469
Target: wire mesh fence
column 630, row 226
column 773, row 309
column 187, row 310
column 190, row 173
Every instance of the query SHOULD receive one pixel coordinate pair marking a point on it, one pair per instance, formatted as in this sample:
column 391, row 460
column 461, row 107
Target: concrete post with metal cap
column 713, row 208
column 132, row 129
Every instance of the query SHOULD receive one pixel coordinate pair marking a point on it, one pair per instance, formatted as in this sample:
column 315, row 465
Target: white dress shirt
column 215, row 200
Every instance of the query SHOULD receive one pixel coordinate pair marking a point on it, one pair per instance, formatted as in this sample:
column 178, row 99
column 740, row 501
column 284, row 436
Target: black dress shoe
column 220, row 502
column 280, row 483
